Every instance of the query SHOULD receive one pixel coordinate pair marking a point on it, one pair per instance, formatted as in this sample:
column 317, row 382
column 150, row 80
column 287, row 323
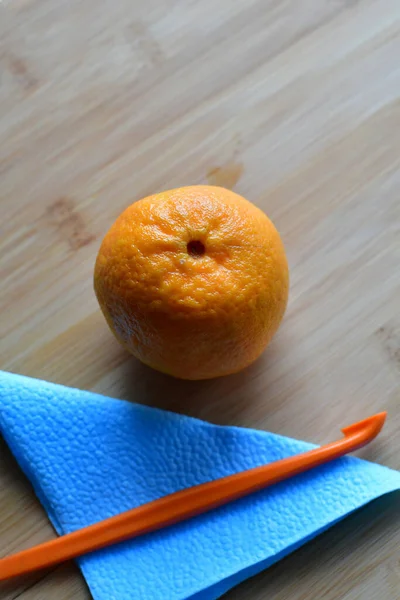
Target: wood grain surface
column 292, row 103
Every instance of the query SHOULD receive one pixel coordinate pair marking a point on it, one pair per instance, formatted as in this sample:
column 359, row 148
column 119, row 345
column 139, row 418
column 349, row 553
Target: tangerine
column 193, row 281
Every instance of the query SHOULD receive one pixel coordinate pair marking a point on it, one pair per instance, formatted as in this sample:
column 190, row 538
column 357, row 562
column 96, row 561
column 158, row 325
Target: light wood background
column 294, row 104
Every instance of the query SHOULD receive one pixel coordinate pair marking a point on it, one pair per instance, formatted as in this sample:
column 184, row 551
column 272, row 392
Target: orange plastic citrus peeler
column 185, row 504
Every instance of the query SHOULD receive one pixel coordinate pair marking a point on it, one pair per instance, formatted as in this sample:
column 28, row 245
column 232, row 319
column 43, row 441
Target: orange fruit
column 193, row 281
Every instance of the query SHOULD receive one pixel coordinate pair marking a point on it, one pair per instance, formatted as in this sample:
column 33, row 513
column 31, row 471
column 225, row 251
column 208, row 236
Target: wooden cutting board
column 292, row 103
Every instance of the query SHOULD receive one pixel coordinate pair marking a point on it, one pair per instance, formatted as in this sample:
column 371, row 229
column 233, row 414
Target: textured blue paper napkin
column 90, row 457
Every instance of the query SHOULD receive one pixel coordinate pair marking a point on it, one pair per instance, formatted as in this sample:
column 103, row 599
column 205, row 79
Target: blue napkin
column 90, row 457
